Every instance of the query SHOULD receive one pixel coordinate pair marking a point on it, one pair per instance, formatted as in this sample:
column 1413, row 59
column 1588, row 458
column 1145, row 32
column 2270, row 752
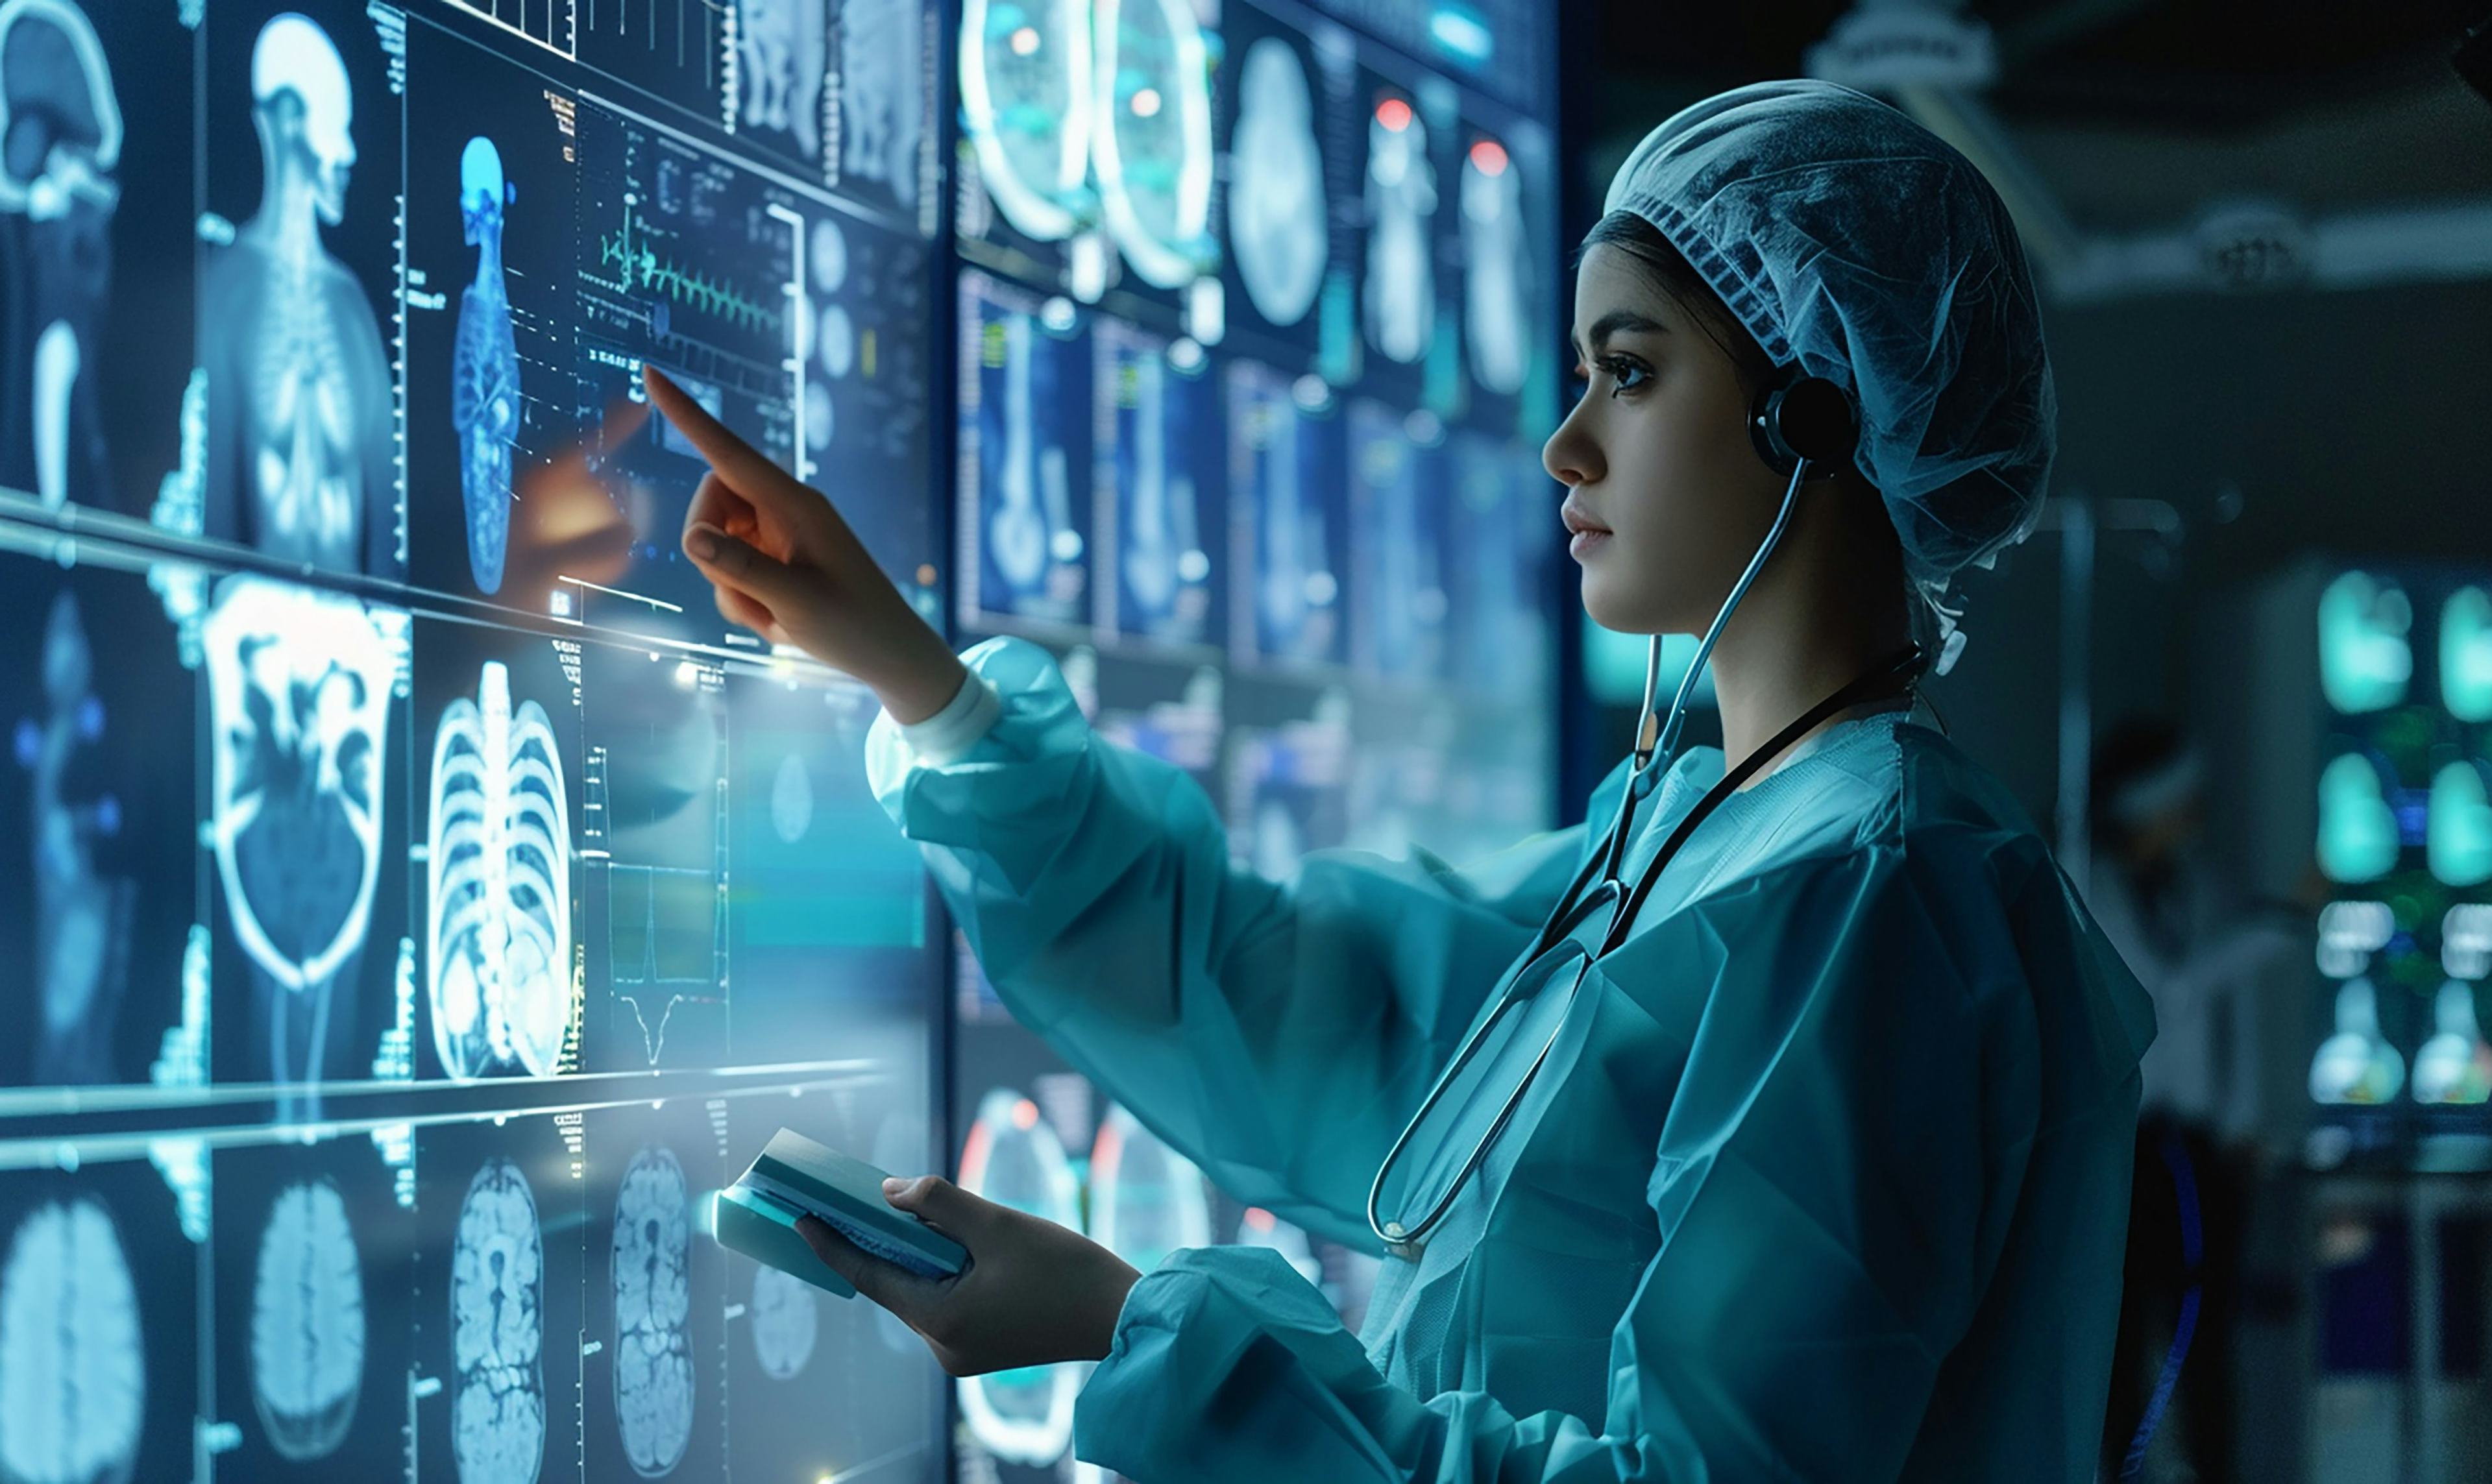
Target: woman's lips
column 1589, row 534
column 1585, row 543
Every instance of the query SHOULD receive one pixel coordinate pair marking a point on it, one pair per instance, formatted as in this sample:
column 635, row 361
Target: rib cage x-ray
column 300, row 401
column 82, row 916
column 1026, row 102
column 498, row 960
column 307, row 1323
column 60, row 147
column 497, row 1401
column 1497, row 264
column 1277, row 225
column 782, row 48
column 485, row 366
column 1401, row 207
column 653, row 1357
column 299, row 689
column 73, row 1357
column 883, row 94
column 1152, row 140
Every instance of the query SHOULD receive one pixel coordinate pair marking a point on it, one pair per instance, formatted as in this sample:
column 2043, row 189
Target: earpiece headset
column 1798, row 417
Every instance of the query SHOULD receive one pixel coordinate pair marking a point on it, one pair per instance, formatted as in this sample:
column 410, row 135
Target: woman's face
column 1666, row 498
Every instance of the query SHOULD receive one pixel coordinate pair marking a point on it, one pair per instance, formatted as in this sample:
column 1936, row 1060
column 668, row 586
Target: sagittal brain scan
column 1400, row 290
column 307, row 1323
column 73, row 1362
column 653, row 1359
column 299, row 699
column 60, row 157
column 1497, row 264
column 497, row 1330
column 882, row 88
column 1277, row 217
column 786, row 1318
column 498, row 969
column 1152, row 143
column 485, row 371
column 1027, row 104
column 300, row 405
column 81, row 913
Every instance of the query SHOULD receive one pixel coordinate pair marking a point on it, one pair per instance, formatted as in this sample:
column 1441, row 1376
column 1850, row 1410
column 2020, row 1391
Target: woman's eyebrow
column 1617, row 321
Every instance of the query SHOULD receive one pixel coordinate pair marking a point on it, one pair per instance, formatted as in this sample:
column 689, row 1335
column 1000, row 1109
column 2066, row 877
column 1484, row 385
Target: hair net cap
column 1852, row 239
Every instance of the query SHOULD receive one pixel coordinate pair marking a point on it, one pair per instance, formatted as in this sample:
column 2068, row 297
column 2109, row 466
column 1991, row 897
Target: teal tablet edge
column 762, row 1234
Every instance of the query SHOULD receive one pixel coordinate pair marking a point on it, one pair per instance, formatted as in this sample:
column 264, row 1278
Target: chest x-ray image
column 1497, row 263
column 60, row 149
column 299, row 699
column 781, row 51
column 1276, row 204
column 882, row 95
column 485, row 366
column 82, row 914
column 1401, row 208
column 1152, row 149
column 1026, row 102
column 298, row 390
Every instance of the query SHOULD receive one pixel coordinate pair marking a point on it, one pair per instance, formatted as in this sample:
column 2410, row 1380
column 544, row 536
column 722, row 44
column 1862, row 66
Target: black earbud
column 1803, row 417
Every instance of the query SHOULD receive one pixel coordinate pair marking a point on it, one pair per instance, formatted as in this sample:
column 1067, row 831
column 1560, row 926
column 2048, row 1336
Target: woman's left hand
column 1033, row 1294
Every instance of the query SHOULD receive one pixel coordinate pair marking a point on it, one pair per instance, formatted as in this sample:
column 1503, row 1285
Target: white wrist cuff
column 948, row 734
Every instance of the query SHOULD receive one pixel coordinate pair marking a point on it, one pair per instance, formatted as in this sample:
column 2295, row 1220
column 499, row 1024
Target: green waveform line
column 639, row 267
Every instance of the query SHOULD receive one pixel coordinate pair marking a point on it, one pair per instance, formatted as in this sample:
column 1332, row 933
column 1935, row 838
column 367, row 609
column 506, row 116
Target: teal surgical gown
column 1825, row 1178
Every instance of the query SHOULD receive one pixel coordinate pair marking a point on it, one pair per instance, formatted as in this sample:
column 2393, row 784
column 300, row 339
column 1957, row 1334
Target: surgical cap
column 1850, row 239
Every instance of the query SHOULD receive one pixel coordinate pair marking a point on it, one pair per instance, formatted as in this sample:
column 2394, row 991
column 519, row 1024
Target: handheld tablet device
column 794, row 1178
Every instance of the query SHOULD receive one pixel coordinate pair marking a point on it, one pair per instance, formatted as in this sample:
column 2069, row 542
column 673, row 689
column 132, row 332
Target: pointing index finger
column 743, row 464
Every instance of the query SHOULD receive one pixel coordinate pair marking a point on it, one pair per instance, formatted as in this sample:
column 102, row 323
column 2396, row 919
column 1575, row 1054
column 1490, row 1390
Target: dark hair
column 1670, row 271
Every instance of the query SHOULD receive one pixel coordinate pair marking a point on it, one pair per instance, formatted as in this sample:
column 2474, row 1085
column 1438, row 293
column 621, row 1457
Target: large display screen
column 419, row 901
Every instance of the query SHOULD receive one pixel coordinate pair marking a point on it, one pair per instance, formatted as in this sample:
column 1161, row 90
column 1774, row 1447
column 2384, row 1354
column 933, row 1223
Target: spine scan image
column 1013, row 1158
column 60, row 122
column 1031, row 484
column 300, row 405
column 1161, row 498
column 307, row 1323
column 81, row 916
column 498, row 970
column 497, row 1406
column 1152, row 148
column 1400, row 203
column 298, row 695
column 1496, row 273
column 1026, row 102
column 883, row 92
column 1276, row 208
column 485, row 366
column 653, row 1357
column 73, row 1368
column 782, row 49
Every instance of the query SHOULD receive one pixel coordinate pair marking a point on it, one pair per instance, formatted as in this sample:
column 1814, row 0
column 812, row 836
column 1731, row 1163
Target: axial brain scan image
column 786, row 1321
column 72, row 1369
column 653, row 1359
column 498, row 1404
column 307, row 1323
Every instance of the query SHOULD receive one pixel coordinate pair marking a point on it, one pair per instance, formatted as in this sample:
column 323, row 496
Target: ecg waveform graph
column 632, row 256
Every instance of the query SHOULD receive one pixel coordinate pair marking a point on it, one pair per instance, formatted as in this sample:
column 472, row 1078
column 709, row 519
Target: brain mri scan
column 786, row 1321
column 485, row 366
column 1153, row 135
column 882, row 94
column 1497, row 279
column 497, row 1429
column 653, row 1357
column 1025, row 100
column 61, row 120
column 1401, row 204
column 307, row 1323
column 499, row 966
column 1277, row 230
column 73, row 1367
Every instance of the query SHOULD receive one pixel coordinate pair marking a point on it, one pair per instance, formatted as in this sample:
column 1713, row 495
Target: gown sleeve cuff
column 948, row 736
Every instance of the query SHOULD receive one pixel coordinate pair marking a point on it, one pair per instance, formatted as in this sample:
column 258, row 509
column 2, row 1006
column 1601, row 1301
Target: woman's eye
column 1624, row 375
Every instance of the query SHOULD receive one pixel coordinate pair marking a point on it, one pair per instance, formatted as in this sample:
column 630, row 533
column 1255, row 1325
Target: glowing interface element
column 1026, row 102
column 1276, row 209
column 72, row 1372
column 1014, row 1159
column 2358, row 829
column 1496, row 278
column 787, row 1323
column 1401, row 204
column 307, row 1323
column 1163, row 550
column 653, row 1354
column 1152, row 147
column 1032, row 515
column 2365, row 657
column 2357, row 1065
column 2466, row 655
column 2455, row 1067
column 485, row 366
column 882, row 94
column 782, row 49
column 2457, row 833
column 497, row 1403
column 498, row 969
column 299, row 693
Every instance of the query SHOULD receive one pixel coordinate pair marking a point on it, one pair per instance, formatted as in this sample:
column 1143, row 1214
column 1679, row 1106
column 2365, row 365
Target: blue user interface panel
column 419, row 900
column 1257, row 317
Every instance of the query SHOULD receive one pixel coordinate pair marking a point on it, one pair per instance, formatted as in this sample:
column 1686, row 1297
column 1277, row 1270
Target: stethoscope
column 1796, row 423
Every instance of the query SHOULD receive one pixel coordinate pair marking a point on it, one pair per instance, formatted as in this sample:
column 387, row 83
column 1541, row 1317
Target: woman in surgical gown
column 1825, row 1174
